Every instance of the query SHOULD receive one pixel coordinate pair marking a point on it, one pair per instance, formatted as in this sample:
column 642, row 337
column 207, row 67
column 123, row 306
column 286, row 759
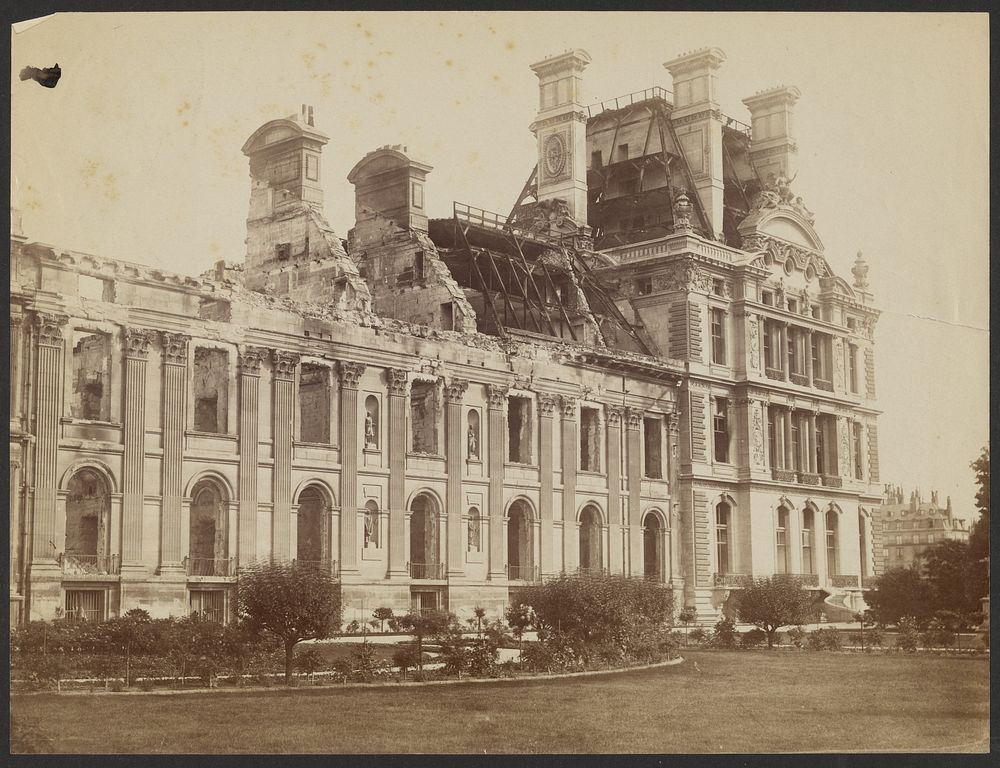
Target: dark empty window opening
column 91, row 378
column 718, row 336
column 590, row 440
column 767, row 298
column 718, row 287
column 720, row 427
column 652, row 432
column 283, row 251
column 423, row 417
column 418, row 266
column 519, row 429
column 314, row 404
column 622, row 152
column 210, row 383
column 793, row 305
column 595, row 159
column 448, row 316
column 644, row 286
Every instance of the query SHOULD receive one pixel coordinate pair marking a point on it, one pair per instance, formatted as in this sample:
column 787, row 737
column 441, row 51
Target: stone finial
column 682, row 212
column 860, row 272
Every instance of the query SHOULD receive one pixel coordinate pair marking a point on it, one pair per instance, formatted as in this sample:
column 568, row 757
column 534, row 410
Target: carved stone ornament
column 633, row 418
column 454, row 390
column 251, row 359
column 845, row 445
column 284, row 364
column 497, row 395
column 682, row 212
column 838, row 361
column 50, row 328
column 758, row 435
column 753, row 341
column 567, row 407
column 615, row 414
column 674, row 422
column 175, row 348
column 137, row 341
column 397, row 380
column 350, row 373
column 547, row 404
column 684, row 276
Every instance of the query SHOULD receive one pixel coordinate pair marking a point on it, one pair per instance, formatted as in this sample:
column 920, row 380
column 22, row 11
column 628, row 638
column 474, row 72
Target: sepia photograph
column 499, row 383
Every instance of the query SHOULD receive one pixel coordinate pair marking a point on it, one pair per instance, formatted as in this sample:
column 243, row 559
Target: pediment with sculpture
column 777, row 211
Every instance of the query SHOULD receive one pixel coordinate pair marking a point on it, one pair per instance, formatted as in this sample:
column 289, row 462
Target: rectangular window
column 85, row 604
column 644, row 286
column 209, row 604
column 595, row 159
column 767, row 298
column 210, row 384
column 808, row 565
column 768, row 346
column 856, row 439
column 92, row 377
column 652, row 432
column 448, row 316
column 590, row 440
column 718, row 336
column 718, row 287
column 814, row 353
column 622, row 152
column 314, row 404
column 519, row 429
column 720, row 429
column 722, row 513
column 899, row 539
column 820, row 443
column 424, row 417
column 796, row 443
column 772, row 439
column 852, row 367
column 781, row 542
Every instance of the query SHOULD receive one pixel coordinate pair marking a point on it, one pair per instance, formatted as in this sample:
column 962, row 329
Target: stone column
column 175, row 378
column 633, row 421
column 16, row 371
column 350, row 378
column 497, row 404
column 546, row 409
column 789, row 456
column 397, row 384
column 569, row 463
column 49, row 410
column 615, row 564
column 786, row 360
column 137, row 341
column 454, row 394
column 283, row 369
column 809, row 357
column 251, row 359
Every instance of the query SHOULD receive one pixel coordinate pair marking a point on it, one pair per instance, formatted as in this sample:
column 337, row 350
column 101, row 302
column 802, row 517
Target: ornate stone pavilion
column 647, row 367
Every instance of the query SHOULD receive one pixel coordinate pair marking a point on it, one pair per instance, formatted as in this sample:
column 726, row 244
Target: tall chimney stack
column 773, row 149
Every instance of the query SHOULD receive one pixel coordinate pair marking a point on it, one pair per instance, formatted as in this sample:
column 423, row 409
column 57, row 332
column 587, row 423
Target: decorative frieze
column 397, row 381
column 137, row 341
column 454, row 390
column 50, row 328
column 284, row 364
column 175, row 348
column 350, row 373
column 251, row 359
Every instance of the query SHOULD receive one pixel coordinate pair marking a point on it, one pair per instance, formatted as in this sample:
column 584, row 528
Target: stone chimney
column 773, row 150
column 560, row 128
column 388, row 183
column 697, row 121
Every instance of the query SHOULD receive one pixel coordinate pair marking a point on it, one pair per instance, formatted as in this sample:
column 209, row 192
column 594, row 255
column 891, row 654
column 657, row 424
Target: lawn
column 752, row 701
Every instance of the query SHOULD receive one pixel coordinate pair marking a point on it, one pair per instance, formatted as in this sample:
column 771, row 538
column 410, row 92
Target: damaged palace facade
column 647, row 367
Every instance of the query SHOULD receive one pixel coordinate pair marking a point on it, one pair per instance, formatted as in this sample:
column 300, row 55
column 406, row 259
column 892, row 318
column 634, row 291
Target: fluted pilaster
column 137, row 343
column 350, row 378
column 283, row 413
column 251, row 359
column 498, row 431
column 48, row 411
column 454, row 395
column 175, row 378
column 398, row 384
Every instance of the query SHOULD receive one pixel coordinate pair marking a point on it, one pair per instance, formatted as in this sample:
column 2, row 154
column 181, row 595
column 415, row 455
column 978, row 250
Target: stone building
column 648, row 367
column 912, row 526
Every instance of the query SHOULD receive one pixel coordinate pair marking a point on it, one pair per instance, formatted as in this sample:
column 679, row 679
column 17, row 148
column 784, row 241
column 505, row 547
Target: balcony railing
column 426, row 570
column 808, row 478
column 729, row 580
column 833, row 481
column 656, row 92
column 83, row 565
column 783, row 475
column 209, row 566
column 523, row 572
column 320, row 565
column 807, row 579
column 868, row 582
column 844, row 581
column 737, row 125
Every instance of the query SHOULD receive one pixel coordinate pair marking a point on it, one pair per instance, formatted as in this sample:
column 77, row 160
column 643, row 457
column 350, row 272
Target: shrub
column 937, row 637
column 699, row 635
column 907, row 638
column 117, row 686
column 724, row 634
column 770, row 603
column 308, row 661
column 753, row 638
column 145, row 684
column 405, row 658
column 797, row 637
column 823, row 640
column 365, row 663
column 383, row 615
column 353, row 628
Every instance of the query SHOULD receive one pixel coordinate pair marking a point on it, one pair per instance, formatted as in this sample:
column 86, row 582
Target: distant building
column 912, row 526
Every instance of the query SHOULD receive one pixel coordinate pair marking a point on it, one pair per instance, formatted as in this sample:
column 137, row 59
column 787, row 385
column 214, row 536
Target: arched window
column 472, row 435
column 652, row 548
column 424, row 557
column 723, row 521
column 312, row 527
column 371, row 422
column 87, row 529
column 863, row 544
column 590, row 539
column 475, row 530
column 832, row 554
column 781, row 542
column 519, row 555
column 808, row 561
column 207, row 542
column 372, row 533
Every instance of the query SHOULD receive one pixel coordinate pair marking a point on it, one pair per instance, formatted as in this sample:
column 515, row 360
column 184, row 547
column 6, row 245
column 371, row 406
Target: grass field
column 755, row 701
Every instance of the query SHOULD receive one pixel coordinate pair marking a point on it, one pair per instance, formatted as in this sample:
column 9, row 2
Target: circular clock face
column 555, row 154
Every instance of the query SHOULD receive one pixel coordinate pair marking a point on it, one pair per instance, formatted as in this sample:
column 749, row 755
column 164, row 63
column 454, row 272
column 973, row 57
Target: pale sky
column 136, row 155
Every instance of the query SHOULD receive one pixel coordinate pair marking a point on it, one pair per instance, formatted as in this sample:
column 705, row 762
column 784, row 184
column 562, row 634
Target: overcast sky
column 136, row 155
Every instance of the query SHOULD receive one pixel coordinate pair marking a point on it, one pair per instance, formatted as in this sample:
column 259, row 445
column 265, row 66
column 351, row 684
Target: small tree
column 770, row 603
column 291, row 602
column 686, row 616
column 519, row 619
column 901, row 592
column 423, row 624
column 383, row 615
column 405, row 658
column 480, row 613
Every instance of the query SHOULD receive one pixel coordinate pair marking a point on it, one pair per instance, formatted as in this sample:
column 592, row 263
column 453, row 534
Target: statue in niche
column 474, row 532
column 371, row 440
column 371, row 527
column 473, row 439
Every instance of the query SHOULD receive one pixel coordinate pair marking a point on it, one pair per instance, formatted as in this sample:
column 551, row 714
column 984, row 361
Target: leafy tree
column 423, row 624
column 454, row 652
column 946, row 567
column 901, row 592
column 405, row 658
column 520, row 619
column 978, row 567
column 686, row 616
column 383, row 615
column 770, row 603
column 724, row 635
column 290, row 602
column 908, row 636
